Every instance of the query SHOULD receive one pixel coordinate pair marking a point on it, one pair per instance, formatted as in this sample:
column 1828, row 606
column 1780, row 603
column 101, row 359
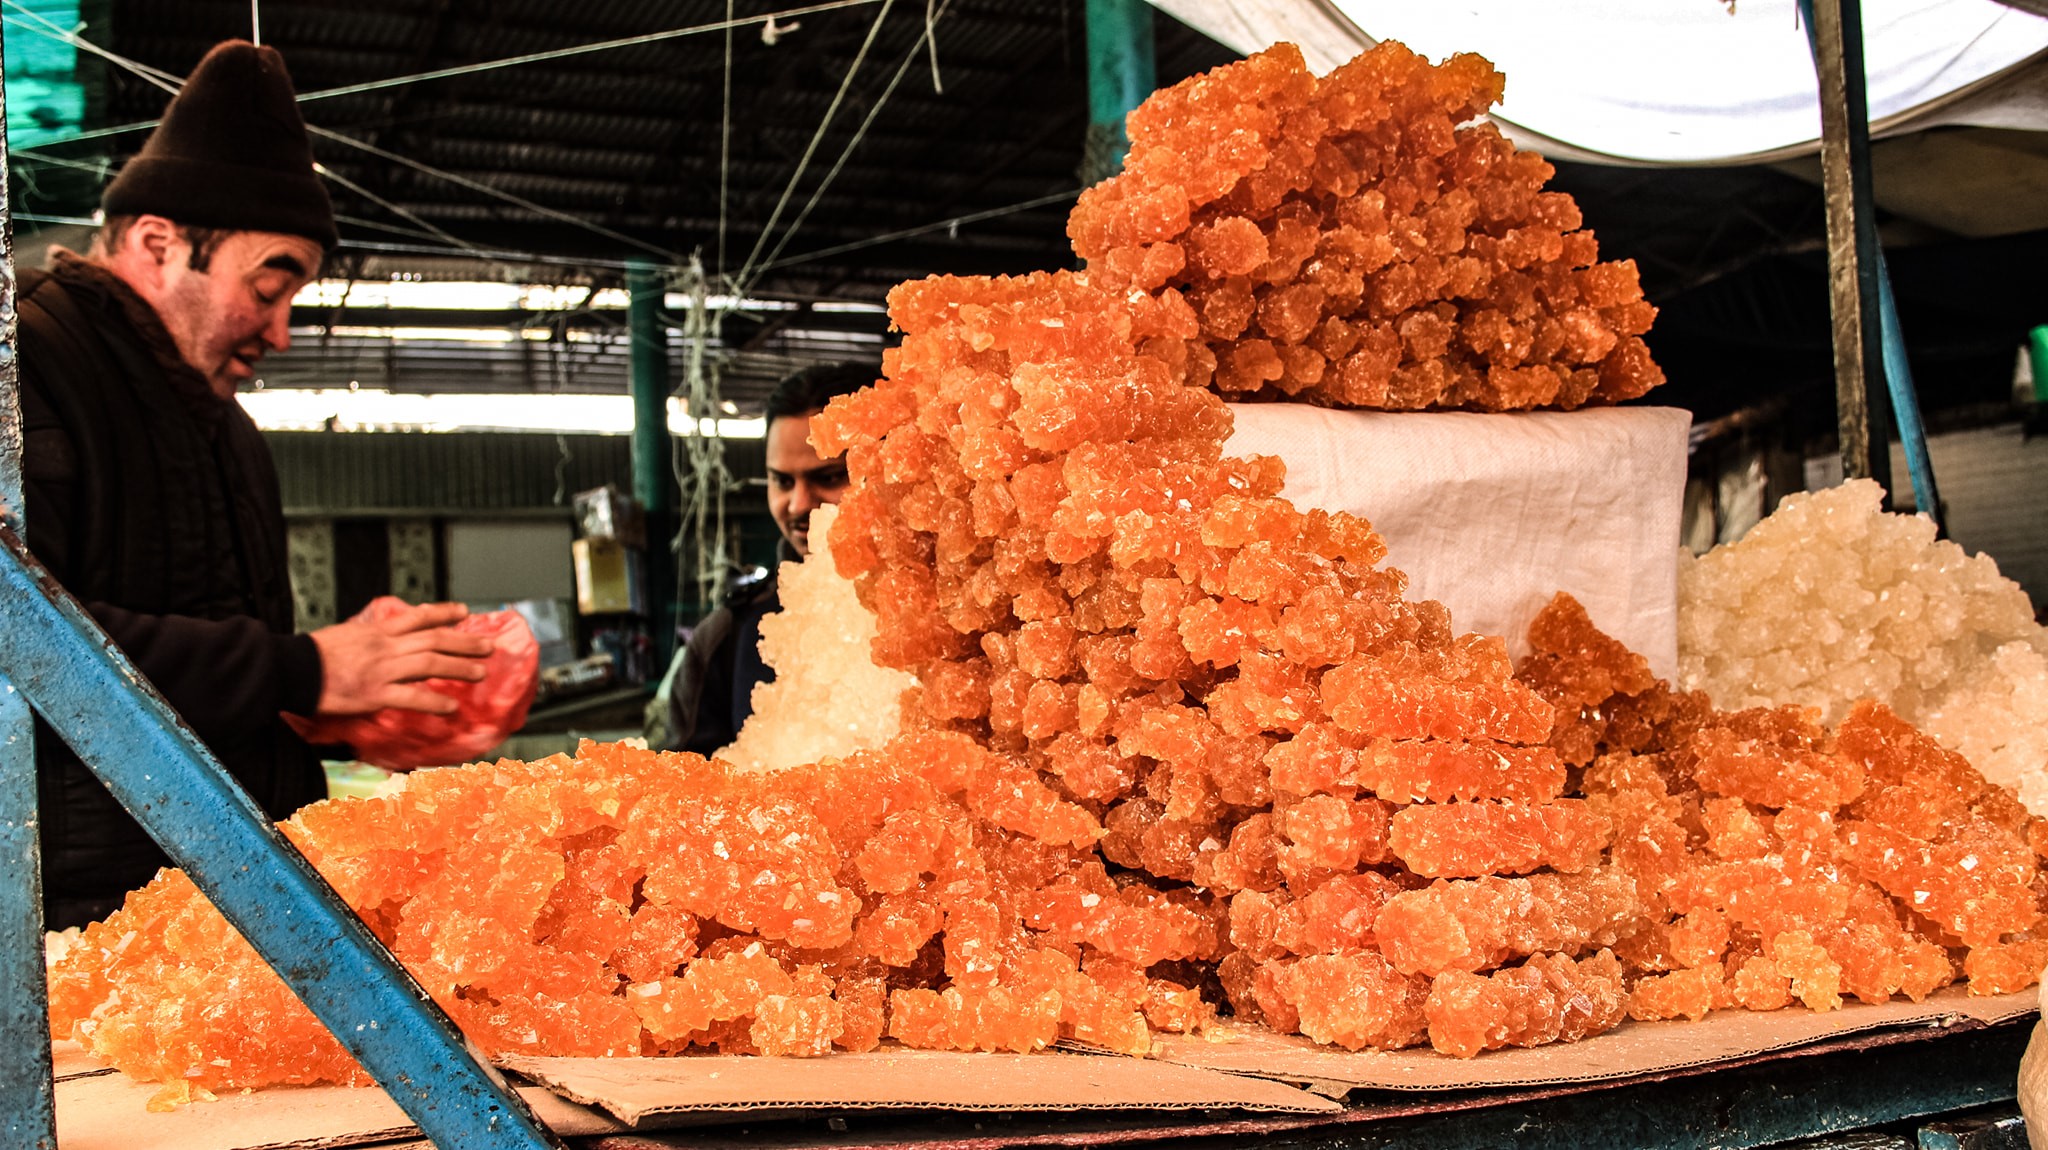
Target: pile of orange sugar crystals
column 624, row 903
column 1364, row 240
column 1177, row 747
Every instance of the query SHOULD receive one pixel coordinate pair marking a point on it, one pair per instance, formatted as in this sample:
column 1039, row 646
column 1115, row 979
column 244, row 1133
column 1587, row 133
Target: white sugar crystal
column 1830, row 600
column 828, row 698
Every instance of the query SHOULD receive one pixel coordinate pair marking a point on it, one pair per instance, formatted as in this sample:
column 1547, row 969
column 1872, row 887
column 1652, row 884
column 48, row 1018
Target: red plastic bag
column 486, row 710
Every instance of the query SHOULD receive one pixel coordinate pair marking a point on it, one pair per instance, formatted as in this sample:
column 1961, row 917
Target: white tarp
column 1678, row 81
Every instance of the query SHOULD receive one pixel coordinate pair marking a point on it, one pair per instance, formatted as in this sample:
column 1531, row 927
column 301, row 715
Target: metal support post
column 27, row 1111
column 167, row 780
column 1121, row 73
column 2037, row 363
column 1868, row 339
column 654, row 481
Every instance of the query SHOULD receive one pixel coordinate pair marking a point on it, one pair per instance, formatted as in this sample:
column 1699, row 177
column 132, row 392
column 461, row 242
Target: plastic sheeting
column 1653, row 82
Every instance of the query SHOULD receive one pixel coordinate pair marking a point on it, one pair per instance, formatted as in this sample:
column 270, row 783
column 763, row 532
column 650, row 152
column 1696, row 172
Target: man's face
column 229, row 316
column 798, row 481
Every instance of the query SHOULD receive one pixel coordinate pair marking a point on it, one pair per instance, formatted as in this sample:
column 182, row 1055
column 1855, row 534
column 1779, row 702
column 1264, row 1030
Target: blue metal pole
column 28, row 1119
column 1898, row 378
column 161, row 773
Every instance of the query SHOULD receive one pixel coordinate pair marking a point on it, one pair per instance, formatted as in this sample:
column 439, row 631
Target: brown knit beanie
column 231, row 153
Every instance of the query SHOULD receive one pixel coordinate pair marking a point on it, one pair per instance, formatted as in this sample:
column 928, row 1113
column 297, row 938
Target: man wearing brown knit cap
column 151, row 495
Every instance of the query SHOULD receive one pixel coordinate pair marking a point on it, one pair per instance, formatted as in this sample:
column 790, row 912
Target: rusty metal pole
column 1862, row 411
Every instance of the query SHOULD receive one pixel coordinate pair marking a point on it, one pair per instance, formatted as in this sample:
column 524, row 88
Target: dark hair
column 815, row 386
column 203, row 241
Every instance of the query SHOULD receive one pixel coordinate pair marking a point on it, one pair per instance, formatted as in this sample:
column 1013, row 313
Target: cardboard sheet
column 68, row 1059
column 639, row 1089
column 1492, row 514
column 1631, row 1050
column 105, row 1110
column 108, row 1112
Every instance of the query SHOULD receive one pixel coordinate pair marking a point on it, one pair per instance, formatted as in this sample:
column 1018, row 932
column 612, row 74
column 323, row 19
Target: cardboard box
column 609, row 513
column 610, row 578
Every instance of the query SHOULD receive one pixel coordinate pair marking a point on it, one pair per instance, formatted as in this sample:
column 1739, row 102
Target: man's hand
column 367, row 665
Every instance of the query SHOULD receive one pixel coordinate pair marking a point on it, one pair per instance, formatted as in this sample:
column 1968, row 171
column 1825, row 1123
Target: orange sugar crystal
column 1778, row 769
column 1976, row 881
column 1758, row 984
column 1463, row 840
column 1386, row 698
column 1474, row 924
column 1574, row 664
column 1439, row 771
column 2002, row 968
column 1324, row 832
column 1688, row 993
column 1354, row 1000
column 797, row 1026
column 1336, row 916
column 992, row 1018
column 1816, row 976
column 1548, row 998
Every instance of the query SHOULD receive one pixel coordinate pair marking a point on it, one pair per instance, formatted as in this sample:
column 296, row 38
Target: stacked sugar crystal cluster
column 1359, row 241
column 1831, row 600
column 1044, row 524
column 624, row 903
column 1175, row 747
column 1775, row 858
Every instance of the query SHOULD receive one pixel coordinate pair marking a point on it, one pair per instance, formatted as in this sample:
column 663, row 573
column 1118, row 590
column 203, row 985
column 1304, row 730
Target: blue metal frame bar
column 1875, row 281
column 96, row 700
column 28, row 1118
column 1898, row 378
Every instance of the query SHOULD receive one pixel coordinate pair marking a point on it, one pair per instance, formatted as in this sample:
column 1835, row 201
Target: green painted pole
column 1121, row 73
column 2037, row 359
column 653, row 471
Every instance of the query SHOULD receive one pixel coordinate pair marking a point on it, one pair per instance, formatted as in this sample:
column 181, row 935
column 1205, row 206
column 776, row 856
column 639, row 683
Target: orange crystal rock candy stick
column 1548, row 998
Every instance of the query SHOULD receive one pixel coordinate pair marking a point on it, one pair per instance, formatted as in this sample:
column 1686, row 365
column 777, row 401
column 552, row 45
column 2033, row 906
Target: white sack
column 1495, row 514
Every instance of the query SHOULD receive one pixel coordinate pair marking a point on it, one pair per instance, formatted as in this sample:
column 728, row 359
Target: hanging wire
column 728, row 24
column 255, row 24
column 810, row 149
column 698, row 460
column 952, row 224
column 846, row 153
column 399, row 230
column 99, row 166
column 478, row 186
column 44, row 26
column 395, row 209
column 170, row 82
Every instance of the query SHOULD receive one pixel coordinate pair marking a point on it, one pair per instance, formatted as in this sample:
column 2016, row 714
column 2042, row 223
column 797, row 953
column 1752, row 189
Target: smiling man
column 709, row 690
column 152, row 497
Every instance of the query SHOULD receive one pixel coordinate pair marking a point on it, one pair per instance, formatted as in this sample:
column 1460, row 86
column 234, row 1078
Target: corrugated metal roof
column 630, row 138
